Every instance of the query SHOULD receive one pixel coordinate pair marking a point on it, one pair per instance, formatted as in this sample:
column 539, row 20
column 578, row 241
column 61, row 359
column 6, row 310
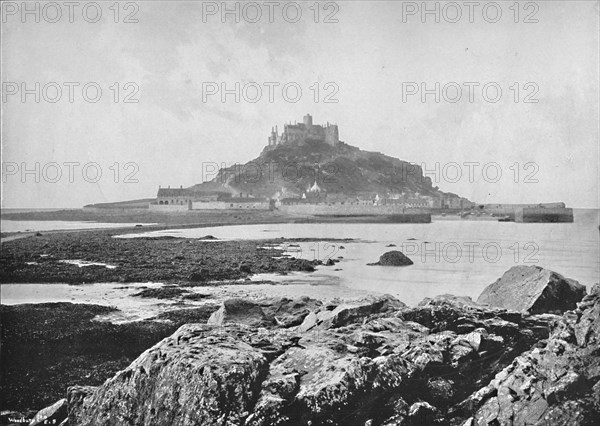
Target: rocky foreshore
column 49, row 259
column 448, row 361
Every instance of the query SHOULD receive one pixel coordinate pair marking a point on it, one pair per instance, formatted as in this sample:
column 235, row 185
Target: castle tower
column 273, row 137
column 308, row 120
column 331, row 135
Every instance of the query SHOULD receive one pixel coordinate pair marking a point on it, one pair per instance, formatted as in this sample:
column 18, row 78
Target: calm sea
column 450, row 256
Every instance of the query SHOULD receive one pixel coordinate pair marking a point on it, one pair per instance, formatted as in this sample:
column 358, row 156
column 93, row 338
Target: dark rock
column 303, row 265
column 247, row 268
column 392, row 258
column 195, row 296
column 161, row 293
column 533, row 289
column 47, row 347
column 178, row 317
column 199, row 276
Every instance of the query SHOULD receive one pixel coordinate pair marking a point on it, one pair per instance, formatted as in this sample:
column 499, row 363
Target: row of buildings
column 182, row 199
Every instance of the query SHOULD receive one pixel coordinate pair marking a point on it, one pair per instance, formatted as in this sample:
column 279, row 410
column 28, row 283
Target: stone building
column 299, row 133
column 174, row 196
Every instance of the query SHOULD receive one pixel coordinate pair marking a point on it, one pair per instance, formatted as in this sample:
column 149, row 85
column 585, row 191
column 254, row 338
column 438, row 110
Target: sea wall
column 225, row 205
column 529, row 215
column 348, row 210
column 508, row 209
column 168, row 208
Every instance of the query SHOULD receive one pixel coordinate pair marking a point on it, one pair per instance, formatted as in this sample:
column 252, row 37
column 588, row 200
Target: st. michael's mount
column 306, row 169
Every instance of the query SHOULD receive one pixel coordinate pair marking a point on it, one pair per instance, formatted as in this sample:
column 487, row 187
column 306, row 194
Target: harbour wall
column 348, row 210
column 530, row 215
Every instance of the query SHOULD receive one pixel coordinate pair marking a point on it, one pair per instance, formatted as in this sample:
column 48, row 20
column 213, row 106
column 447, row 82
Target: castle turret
column 273, row 137
column 308, row 120
column 331, row 135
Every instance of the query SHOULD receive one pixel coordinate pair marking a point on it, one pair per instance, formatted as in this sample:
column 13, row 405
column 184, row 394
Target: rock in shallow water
column 392, row 258
column 533, row 289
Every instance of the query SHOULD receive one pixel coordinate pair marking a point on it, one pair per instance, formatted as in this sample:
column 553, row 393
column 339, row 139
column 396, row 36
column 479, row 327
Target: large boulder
column 290, row 312
column 392, row 258
column 195, row 377
column 534, row 290
column 348, row 313
column 240, row 311
column 557, row 383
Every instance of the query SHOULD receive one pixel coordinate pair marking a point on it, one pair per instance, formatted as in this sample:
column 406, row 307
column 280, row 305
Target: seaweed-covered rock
column 393, row 258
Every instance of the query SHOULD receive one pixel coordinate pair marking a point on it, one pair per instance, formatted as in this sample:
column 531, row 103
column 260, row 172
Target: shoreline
column 48, row 347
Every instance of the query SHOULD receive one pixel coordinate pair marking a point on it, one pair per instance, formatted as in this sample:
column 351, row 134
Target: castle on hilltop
column 299, row 133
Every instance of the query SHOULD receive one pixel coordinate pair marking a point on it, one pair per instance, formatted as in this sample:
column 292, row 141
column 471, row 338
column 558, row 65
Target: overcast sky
column 170, row 54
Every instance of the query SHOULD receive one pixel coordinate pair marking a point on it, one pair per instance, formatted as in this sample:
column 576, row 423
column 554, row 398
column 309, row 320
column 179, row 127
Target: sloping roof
column 174, row 192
